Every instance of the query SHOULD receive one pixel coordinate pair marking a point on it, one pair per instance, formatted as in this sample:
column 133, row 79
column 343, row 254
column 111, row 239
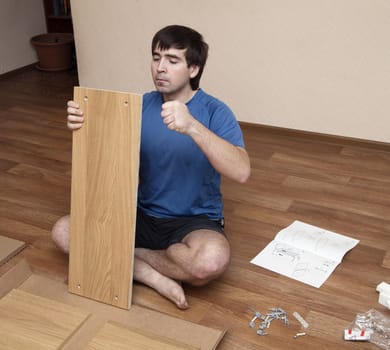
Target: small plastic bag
column 371, row 326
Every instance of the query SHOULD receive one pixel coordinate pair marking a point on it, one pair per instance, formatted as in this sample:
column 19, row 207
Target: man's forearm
column 229, row 160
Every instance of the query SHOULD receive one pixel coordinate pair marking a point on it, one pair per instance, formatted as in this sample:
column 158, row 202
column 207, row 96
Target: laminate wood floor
column 337, row 184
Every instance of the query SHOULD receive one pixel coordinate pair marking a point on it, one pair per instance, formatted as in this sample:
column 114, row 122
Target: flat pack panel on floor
column 9, row 247
column 31, row 322
column 116, row 336
column 105, row 163
column 145, row 321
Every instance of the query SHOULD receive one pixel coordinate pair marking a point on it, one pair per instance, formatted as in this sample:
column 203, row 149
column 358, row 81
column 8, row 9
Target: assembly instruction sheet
column 305, row 253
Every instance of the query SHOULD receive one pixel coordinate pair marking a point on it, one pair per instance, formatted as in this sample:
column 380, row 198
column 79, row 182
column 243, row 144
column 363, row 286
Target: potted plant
column 54, row 50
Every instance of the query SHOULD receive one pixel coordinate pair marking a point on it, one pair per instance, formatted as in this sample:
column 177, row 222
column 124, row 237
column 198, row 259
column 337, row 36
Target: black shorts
column 160, row 233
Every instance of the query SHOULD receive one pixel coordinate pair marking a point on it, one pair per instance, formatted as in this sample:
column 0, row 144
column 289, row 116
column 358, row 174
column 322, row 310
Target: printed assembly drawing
column 304, row 252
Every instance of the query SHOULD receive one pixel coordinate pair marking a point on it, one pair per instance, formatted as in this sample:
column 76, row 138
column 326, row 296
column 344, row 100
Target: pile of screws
column 266, row 319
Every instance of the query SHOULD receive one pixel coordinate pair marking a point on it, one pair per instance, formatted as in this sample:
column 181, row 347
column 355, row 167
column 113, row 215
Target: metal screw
column 252, row 322
column 261, row 332
column 275, row 313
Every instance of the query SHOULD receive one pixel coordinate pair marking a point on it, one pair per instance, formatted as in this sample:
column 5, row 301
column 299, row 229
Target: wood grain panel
column 9, row 247
column 31, row 322
column 159, row 323
column 116, row 336
column 105, row 164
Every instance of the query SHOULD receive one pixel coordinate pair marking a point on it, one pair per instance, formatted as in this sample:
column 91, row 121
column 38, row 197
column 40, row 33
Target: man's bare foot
column 166, row 286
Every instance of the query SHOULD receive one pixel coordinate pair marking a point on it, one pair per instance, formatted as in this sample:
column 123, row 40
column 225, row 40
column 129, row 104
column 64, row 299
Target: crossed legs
column 202, row 256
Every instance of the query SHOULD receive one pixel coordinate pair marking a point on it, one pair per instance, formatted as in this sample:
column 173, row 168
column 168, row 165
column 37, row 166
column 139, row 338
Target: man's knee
column 210, row 263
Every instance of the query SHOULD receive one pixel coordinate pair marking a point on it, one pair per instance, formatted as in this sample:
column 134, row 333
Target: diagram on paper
column 304, row 252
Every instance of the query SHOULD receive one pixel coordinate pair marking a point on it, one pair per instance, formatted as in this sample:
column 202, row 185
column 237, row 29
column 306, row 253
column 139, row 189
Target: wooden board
column 14, row 277
column 9, row 247
column 158, row 324
column 116, row 336
column 31, row 322
column 105, row 163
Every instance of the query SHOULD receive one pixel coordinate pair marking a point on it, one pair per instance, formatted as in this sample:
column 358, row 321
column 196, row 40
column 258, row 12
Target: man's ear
column 194, row 70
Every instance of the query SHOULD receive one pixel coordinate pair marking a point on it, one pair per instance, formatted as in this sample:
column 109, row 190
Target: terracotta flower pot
column 54, row 50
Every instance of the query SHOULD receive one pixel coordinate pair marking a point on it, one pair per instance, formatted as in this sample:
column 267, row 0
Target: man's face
column 171, row 74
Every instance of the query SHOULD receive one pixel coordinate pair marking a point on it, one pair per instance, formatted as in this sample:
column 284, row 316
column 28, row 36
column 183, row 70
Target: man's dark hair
column 180, row 37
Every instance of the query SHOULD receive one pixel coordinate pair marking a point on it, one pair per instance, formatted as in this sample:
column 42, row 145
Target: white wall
column 313, row 65
column 19, row 21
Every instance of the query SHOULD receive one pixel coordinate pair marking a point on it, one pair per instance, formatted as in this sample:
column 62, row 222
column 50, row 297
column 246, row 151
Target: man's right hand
column 75, row 117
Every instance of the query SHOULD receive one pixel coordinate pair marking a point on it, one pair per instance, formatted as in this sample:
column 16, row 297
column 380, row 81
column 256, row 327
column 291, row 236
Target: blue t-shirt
column 176, row 178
